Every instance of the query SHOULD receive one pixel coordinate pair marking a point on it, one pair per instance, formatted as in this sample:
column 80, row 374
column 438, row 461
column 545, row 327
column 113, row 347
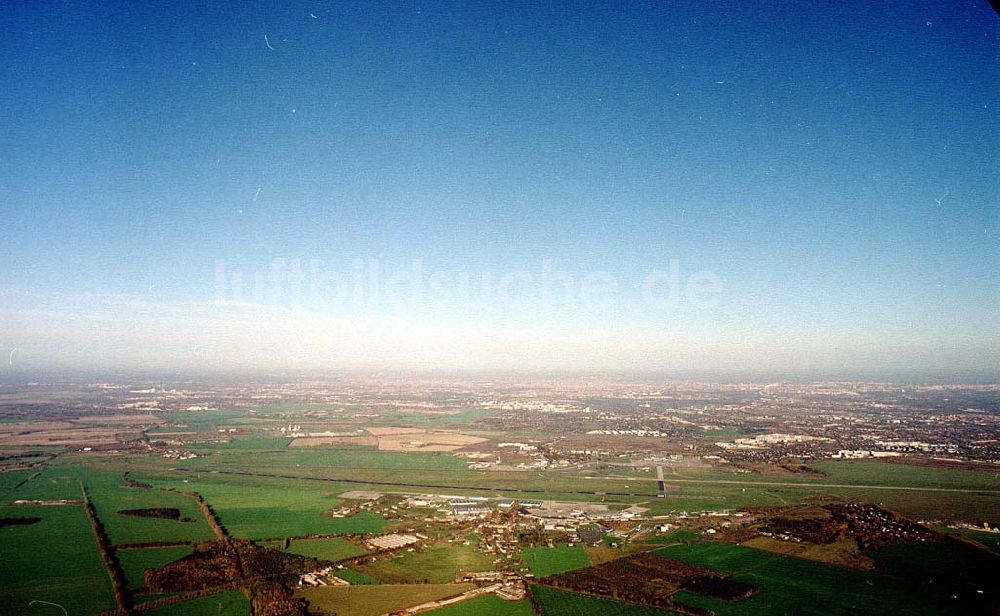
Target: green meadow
column 10, row 479
column 332, row 549
column 54, row 560
column 258, row 508
column 791, row 585
column 353, row 577
column 229, row 603
column 557, row 602
column 544, row 561
column 436, row 564
column 486, row 605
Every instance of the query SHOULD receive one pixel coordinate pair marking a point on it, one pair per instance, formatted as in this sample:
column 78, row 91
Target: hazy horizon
column 699, row 187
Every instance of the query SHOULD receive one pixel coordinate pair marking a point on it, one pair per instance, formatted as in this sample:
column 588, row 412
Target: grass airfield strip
column 712, row 493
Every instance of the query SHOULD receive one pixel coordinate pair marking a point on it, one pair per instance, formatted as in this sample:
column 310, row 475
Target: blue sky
column 831, row 168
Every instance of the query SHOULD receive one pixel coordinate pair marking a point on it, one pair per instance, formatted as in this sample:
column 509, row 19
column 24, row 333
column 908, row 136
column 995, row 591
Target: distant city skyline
column 689, row 186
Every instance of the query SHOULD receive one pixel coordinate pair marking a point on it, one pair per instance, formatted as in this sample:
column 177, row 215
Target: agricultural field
column 229, row 603
column 918, row 504
column 206, row 421
column 545, row 561
column 555, row 602
column 353, row 577
column 436, row 564
column 257, row 508
column 678, row 535
column 231, row 456
column 332, row 549
column 250, row 444
column 953, row 571
column 50, row 484
column 111, row 496
column 284, row 506
column 485, row 605
column 971, row 506
column 10, row 479
column 419, row 440
column 797, row 586
column 135, row 562
column 375, row 600
column 887, row 473
column 54, row 560
column 843, row 553
column 603, row 552
column 987, row 539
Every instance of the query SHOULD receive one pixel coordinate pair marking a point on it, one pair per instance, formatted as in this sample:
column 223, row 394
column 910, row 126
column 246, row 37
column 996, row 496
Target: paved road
column 399, row 484
column 466, row 488
column 752, row 482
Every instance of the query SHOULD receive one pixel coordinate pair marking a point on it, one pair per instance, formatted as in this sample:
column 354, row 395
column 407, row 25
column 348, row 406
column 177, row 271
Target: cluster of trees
column 132, row 483
column 871, row 526
column 720, row 586
column 163, row 513
column 815, row 530
column 874, row 527
column 19, row 521
column 644, row 578
column 650, row 580
column 238, row 563
column 212, row 566
column 272, row 599
column 210, row 516
column 122, row 596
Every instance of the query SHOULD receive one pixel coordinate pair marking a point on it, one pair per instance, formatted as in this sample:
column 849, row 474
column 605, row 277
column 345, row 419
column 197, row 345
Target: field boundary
column 111, row 564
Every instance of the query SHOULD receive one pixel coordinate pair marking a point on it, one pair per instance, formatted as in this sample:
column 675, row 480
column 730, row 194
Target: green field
column 258, row 508
column 376, row 600
column 978, row 503
column 486, row 605
column 54, row 560
column 353, row 577
column 9, row 479
column 273, row 507
column 110, row 495
column 796, row 586
column 886, row 473
column 544, row 561
column 952, row 570
column 556, row 602
column 738, row 490
column 326, row 549
column 678, row 535
column 987, row 539
column 229, row 603
column 135, row 562
column 437, row 564
column 206, row 421
column 49, row 485
column 231, row 456
column 721, row 433
column 458, row 418
column 249, row 444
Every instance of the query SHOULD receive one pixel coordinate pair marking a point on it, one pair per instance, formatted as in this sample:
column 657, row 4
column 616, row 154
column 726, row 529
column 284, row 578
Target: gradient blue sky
column 833, row 165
